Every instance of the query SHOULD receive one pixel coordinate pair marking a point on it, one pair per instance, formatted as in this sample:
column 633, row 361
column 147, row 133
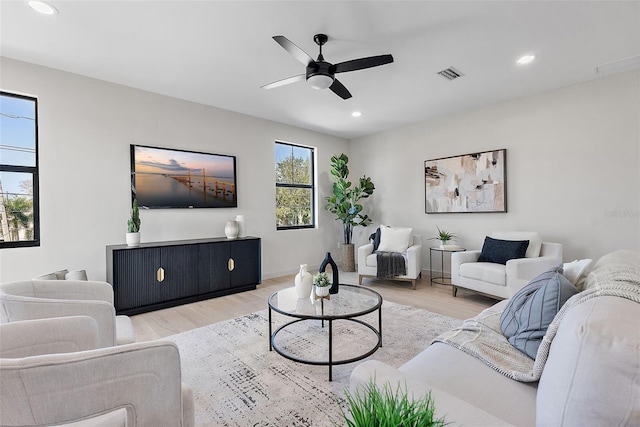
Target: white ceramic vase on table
column 322, row 291
column 303, row 282
column 231, row 229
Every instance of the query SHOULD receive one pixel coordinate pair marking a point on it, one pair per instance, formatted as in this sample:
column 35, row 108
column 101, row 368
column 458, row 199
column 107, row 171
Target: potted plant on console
column 133, row 226
column 344, row 204
column 444, row 237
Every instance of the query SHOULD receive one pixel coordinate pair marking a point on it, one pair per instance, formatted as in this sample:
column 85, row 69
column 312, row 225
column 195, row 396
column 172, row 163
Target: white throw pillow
column 577, row 272
column 394, row 239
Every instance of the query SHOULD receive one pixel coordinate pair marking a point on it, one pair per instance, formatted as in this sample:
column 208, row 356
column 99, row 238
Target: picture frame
column 468, row 183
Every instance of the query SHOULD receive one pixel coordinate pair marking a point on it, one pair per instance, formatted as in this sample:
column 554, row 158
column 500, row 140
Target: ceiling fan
column 321, row 74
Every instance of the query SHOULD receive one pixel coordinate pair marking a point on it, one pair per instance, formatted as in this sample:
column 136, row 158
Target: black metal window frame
column 34, row 171
column 311, row 186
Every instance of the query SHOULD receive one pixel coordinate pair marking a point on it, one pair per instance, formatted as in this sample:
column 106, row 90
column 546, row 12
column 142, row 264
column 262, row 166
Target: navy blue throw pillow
column 501, row 251
column 375, row 239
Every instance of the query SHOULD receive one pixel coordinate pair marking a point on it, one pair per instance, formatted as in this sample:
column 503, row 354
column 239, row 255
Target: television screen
column 171, row 178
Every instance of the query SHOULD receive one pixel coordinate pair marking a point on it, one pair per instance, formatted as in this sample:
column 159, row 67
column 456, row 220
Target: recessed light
column 356, row 114
column 526, row 59
column 42, row 7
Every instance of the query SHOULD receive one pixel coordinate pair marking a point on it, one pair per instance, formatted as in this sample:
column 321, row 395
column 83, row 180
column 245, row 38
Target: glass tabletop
column 350, row 301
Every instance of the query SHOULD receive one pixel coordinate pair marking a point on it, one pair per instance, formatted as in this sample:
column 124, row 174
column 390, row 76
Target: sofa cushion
column 394, row 239
column 531, row 310
column 535, row 241
column 577, row 271
column 484, row 271
column 501, row 251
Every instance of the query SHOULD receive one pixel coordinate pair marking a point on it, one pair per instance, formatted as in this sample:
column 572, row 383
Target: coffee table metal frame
column 351, row 317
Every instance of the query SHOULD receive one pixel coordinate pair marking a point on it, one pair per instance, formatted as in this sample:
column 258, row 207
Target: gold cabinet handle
column 231, row 264
column 160, row 274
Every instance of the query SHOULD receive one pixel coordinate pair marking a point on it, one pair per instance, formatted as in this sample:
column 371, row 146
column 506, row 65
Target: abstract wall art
column 473, row 182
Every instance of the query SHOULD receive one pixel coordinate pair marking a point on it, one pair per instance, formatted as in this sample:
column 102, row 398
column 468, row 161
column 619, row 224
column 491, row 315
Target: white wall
column 573, row 168
column 85, row 128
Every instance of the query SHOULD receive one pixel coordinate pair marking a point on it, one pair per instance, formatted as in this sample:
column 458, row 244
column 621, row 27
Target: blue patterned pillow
column 531, row 310
column 501, row 251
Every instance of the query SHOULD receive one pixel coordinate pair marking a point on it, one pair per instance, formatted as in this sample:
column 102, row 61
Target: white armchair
column 51, row 374
column 41, row 299
column 368, row 264
column 504, row 280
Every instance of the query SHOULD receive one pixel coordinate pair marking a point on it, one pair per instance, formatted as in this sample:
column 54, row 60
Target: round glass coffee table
column 351, row 302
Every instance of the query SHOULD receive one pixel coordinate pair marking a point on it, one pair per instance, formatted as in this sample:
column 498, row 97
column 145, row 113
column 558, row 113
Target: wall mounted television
column 164, row 178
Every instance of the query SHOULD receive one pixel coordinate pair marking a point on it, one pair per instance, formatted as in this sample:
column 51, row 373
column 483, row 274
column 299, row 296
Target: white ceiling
column 219, row 53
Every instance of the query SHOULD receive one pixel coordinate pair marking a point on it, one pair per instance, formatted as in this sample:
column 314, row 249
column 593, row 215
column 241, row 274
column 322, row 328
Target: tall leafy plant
column 344, row 201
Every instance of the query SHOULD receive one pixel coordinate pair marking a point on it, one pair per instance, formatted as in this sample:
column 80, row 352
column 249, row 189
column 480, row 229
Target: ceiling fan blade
column 294, row 50
column 362, row 63
column 286, row 81
column 339, row 89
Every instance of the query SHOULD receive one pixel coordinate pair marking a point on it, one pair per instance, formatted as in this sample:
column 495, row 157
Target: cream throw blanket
column 482, row 337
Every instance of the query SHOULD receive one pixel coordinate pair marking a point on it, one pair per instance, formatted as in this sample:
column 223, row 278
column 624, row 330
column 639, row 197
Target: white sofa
column 504, row 280
column 52, row 374
column 368, row 263
column 40, row 299
column 591, row 376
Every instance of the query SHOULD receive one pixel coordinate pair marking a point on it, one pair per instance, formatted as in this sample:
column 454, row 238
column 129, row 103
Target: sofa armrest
column 459, row 258
column 521, row 270
column 143, row 378
column 363, row 252
column 18, row 308
column 414, row 260
column 73, row 290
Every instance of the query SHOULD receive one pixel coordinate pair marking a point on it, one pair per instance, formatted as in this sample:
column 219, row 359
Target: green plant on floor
column 344, row 201
column 444, row 236
column 375, row 407
column 133, row 224
column 321, row 280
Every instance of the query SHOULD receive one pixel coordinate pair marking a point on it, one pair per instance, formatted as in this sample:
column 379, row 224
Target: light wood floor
column 435, row 298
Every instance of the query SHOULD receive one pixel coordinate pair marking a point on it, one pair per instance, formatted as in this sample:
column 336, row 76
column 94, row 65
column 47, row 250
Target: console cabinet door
column 134, row 277
column 180, row 272
column 246, row 262
column 213, row 265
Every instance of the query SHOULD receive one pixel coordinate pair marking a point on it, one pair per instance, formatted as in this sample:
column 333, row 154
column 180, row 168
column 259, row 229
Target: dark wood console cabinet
column 165, row 274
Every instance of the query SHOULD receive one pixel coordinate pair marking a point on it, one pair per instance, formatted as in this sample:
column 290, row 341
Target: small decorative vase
column 242, row 231
column 303, row 282
column 231, row 229
column 133, row 239
column 443, row 243
column 334, row 269
column 322, row 291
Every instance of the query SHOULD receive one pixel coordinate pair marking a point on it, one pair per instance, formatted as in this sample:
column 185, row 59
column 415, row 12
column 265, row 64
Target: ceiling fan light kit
column 320, row 74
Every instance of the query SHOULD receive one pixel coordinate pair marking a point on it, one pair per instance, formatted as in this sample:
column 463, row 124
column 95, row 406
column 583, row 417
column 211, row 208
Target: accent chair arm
column 144, row 378
column 363, row 252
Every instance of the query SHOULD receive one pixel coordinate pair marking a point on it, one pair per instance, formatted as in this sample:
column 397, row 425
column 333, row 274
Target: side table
column 442, row 279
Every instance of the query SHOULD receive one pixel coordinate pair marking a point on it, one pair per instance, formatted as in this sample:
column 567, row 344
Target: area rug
column 237, row 381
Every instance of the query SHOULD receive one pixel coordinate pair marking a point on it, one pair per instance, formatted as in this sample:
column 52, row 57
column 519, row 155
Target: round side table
column 442, row 279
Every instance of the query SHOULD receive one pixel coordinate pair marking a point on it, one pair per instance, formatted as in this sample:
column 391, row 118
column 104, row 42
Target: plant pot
column 322, row 291
column 348, row 258
column 443, row 243
column 133, row 239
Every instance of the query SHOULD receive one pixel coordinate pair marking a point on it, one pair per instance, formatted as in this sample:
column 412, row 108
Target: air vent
column 450, row 73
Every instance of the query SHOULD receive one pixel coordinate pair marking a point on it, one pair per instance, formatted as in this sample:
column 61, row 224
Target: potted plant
column 382, row 408
column 444, row 236
column 344, row 204
column 321, row 280
column 133, row 226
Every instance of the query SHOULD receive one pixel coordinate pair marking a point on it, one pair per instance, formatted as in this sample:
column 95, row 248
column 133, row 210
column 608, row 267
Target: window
column 19, row 216
column 295, row 187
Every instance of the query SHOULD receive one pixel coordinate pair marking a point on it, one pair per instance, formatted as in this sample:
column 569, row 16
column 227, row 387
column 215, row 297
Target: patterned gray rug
column 237, row 381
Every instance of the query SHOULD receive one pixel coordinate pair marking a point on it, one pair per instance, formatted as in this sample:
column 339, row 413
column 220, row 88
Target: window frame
column 311, row 187
column 35, row 179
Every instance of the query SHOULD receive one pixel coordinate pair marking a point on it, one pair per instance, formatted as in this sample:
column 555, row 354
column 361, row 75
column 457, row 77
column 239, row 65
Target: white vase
column 303, row 282
column 133, row 239
column 231, row 229
column 242, row 231
column 322, row 291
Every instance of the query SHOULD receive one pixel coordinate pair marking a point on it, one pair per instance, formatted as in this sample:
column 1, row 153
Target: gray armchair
column 504, row 280
column 40, row 299
column 51, row 374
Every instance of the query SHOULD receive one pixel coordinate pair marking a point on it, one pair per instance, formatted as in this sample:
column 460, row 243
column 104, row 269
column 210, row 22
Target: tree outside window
column 19, row 219
column 295, row 187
